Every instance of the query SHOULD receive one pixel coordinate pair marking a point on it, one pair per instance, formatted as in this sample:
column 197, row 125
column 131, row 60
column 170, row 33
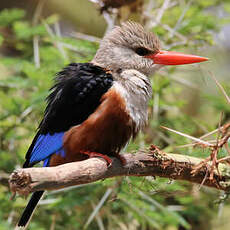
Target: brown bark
column 151, row 163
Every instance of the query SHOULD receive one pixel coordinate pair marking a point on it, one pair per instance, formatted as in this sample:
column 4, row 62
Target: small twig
column 224, row 140
column 200, row 165
column 73, row 48
column 227, row 158
column 148, row 12
column 177, row 34
column 11, row 217
column 141, row 213
column 215, row 151
column 68, row 46
column 52, row 35
column 149, row 7
column 195, row 144
column 203, row 181
column 36, row 51
column 98, row 218
column 110, row 20
column 161, row 12
column 86, row 37
column 223, row 128
column 180, row 18
column 188, row 136
column 57, row 30
column 220, row 87
column 97, row 208
column 37, row 14
column 219, row 129
column 227, row 147
column 156, row 106
column 179, row 43
column 184, row 82
column 53, row 223
column 212, row 132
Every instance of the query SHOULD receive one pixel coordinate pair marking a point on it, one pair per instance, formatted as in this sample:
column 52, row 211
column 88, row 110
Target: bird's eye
column 142, row 51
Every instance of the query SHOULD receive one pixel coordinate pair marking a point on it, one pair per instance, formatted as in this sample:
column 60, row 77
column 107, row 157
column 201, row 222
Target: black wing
column 75, row 95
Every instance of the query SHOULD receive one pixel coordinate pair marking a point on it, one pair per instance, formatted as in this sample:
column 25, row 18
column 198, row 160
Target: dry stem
column 151, row 163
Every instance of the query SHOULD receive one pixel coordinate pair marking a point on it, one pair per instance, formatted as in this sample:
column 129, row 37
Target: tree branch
column 143, row 163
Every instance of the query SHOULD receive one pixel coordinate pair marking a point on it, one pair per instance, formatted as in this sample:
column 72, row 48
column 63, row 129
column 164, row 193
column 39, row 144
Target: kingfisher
column 95, row 108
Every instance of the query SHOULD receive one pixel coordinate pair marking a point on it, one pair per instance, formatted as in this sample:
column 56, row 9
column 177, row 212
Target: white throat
column 136, row 90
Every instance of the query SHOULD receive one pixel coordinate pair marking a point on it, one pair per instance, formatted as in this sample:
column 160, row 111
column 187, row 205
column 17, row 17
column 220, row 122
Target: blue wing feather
column 46, row 145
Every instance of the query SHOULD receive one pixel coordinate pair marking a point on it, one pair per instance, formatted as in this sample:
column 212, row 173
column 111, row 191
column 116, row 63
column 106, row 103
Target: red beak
column 175, row 58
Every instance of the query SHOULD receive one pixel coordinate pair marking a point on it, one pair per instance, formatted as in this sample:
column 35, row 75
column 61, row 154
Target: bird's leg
column 105, row 157
column 95, row 154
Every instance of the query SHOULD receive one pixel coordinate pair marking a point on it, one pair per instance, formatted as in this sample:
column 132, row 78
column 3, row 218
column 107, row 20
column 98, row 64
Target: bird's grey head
column 130, row 47
column 126, row 47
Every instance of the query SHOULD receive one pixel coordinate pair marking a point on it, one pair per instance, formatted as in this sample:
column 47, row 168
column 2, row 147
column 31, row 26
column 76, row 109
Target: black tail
column 30, row 208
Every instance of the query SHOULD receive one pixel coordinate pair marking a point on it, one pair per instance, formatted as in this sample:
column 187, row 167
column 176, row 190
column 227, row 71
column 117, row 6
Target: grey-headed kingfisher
column 95, row 108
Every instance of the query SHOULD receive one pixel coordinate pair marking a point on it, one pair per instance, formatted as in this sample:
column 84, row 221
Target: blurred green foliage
column 137, row 203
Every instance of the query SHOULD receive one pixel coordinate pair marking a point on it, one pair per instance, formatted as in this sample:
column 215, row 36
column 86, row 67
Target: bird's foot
column 121, row 158
column 95, row 154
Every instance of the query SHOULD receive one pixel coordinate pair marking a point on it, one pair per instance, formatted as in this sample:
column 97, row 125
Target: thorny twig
column 223, row 137
column 222, row 141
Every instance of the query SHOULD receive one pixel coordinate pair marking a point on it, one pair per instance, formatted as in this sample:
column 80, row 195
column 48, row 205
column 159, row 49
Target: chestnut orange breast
column 105, row 131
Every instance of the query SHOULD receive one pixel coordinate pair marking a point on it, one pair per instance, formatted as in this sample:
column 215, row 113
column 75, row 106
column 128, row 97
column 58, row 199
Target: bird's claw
column 95, row 154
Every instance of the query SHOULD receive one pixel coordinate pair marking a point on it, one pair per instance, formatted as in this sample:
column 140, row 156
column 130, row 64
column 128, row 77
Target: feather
column 45, row 146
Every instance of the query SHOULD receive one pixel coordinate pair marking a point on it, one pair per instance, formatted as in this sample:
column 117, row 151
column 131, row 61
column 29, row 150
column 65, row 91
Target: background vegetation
column 37, row 40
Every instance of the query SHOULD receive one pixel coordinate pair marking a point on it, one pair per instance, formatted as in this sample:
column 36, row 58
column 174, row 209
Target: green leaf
column 8, row 16
column 24, row 30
